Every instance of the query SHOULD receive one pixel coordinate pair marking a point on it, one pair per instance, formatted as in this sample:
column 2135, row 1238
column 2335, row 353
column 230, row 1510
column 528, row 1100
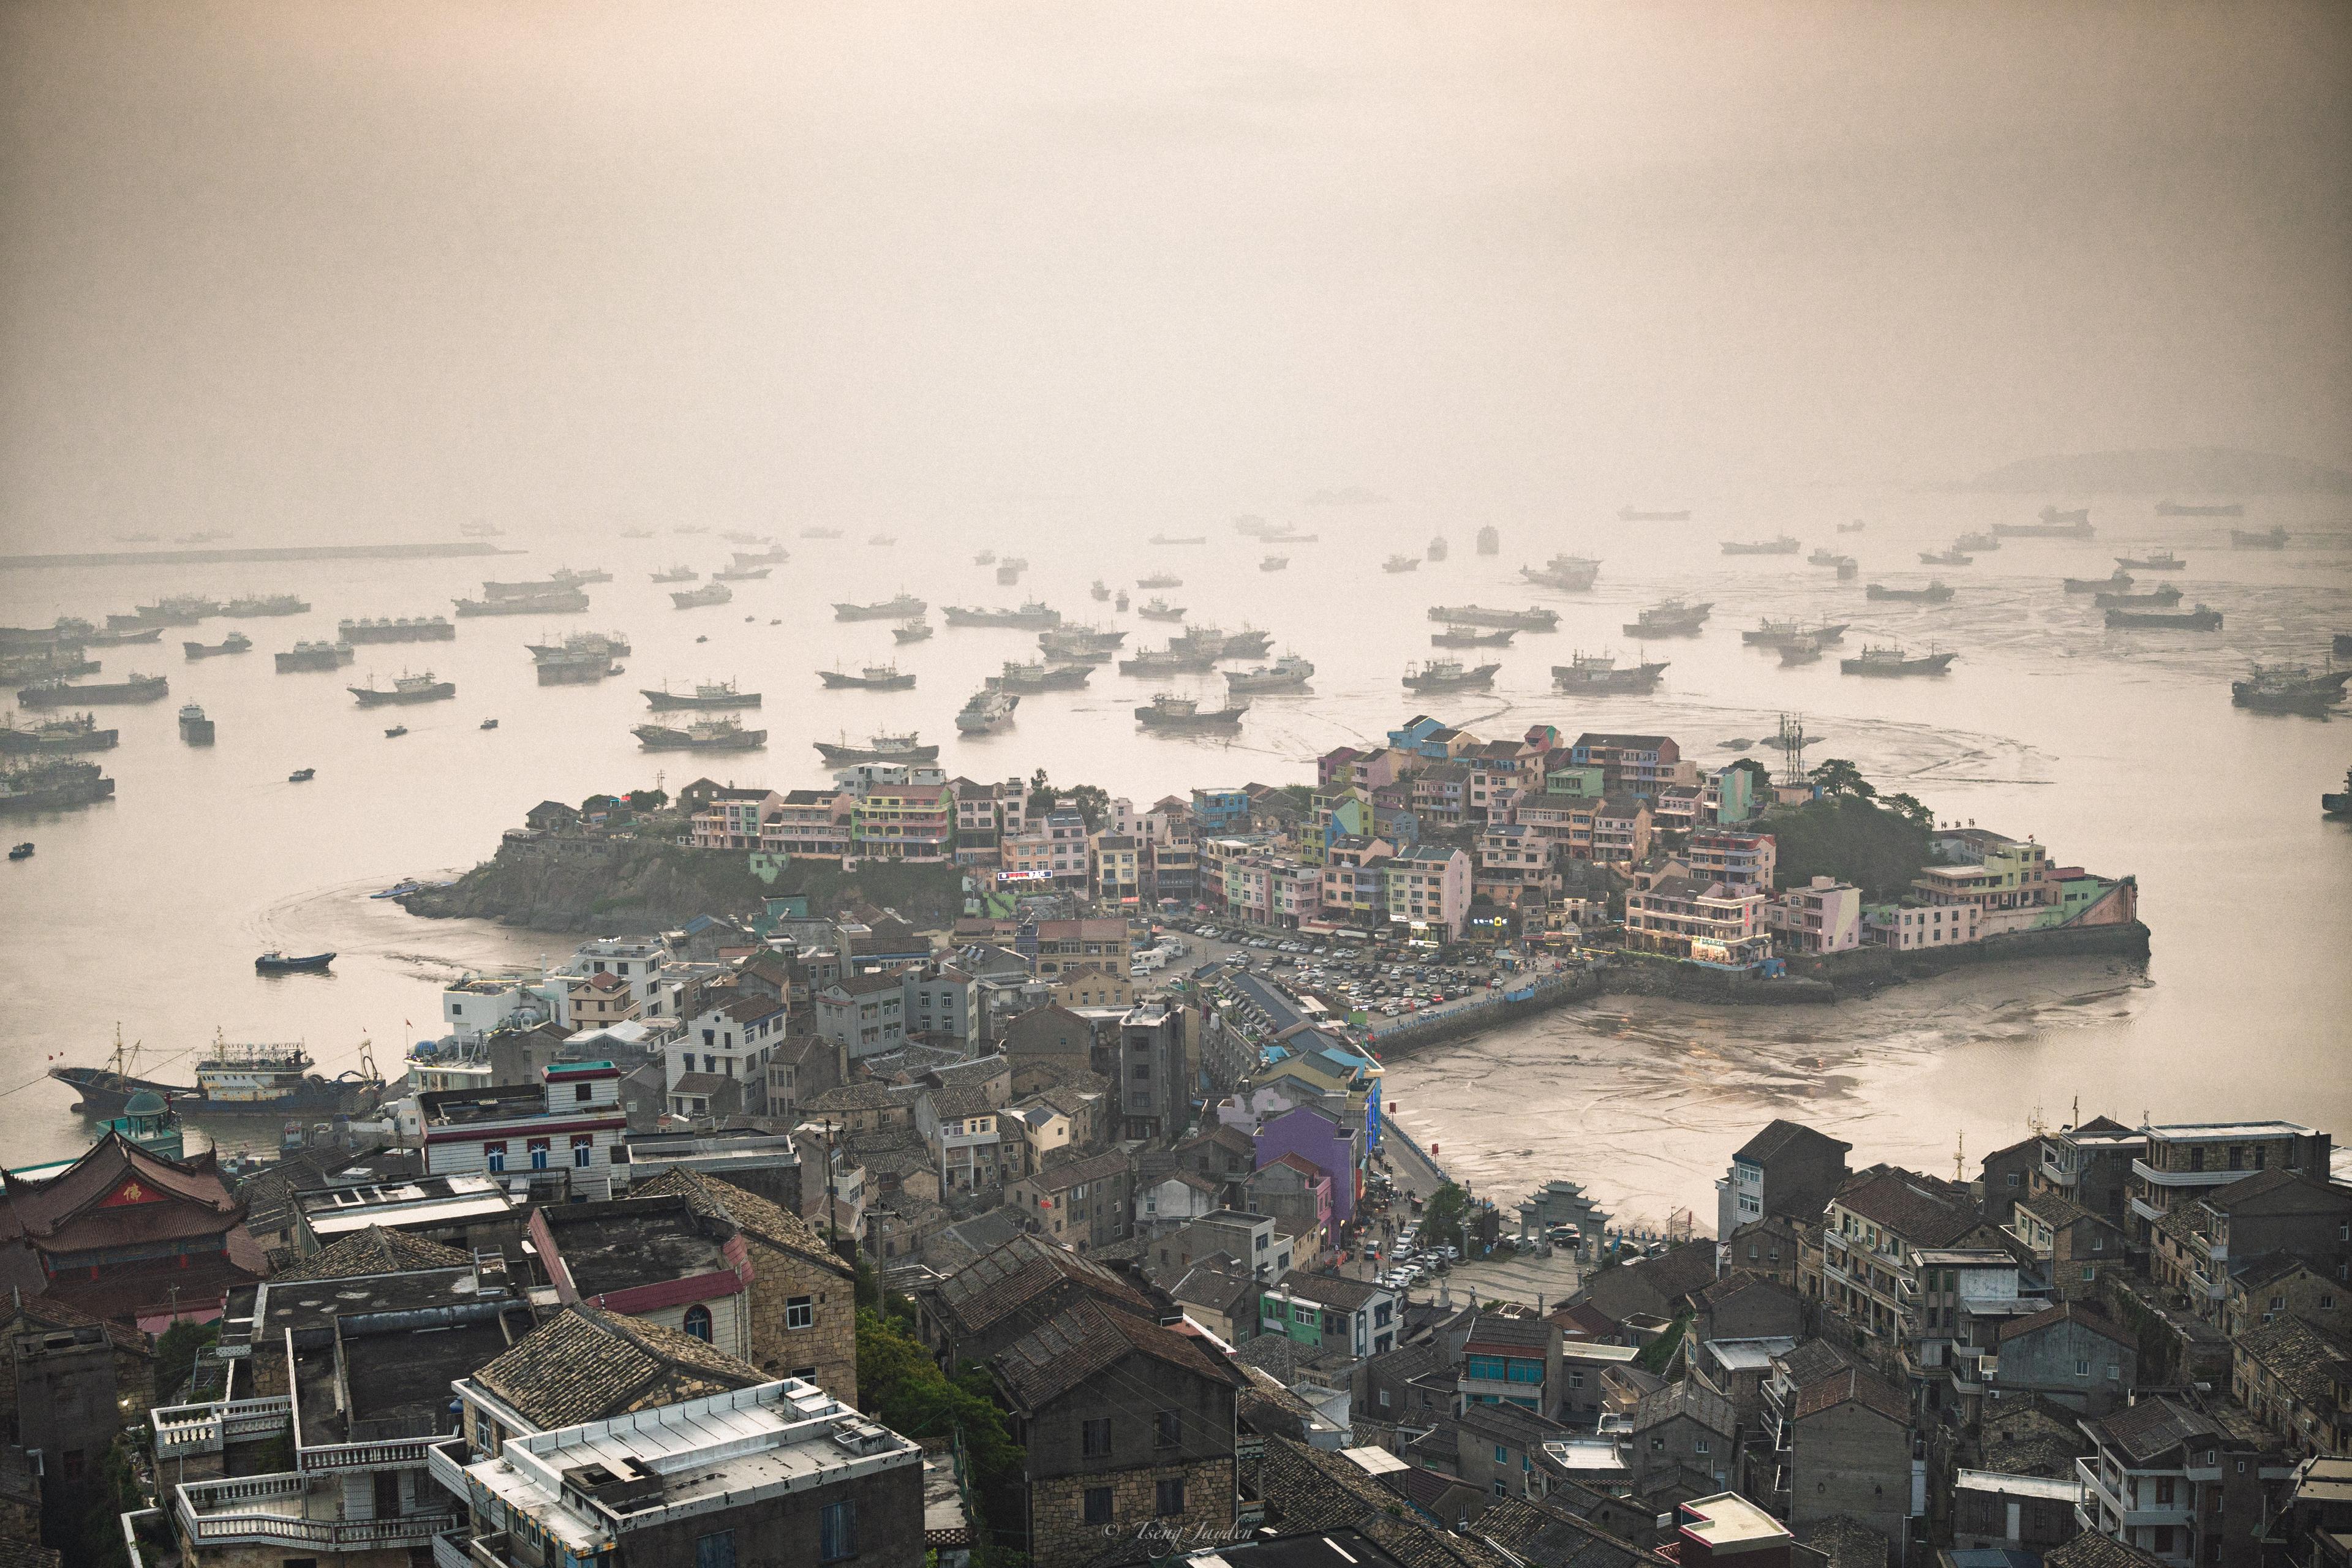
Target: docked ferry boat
column 232, row 1079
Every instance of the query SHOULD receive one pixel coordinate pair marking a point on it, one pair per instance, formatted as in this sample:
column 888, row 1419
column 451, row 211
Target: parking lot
column 1343, row 976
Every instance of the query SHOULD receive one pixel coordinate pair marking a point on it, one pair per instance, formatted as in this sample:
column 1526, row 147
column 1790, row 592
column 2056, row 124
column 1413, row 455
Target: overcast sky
column 381, row 262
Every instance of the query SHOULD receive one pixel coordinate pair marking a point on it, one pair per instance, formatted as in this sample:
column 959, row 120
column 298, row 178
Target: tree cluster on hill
column 1852, row 832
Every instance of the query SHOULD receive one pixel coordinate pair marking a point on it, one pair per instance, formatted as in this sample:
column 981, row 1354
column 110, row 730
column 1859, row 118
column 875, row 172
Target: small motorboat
column 276, row 963
column 399, row 890
column 777, row 622
column 702, row 639
column 21, row 851
column 395, row 733
column 301, row 776
column 489, row 723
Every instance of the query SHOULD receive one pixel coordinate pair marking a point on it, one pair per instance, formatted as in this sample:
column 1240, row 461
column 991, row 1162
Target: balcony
column 450, row 1551
column 2156, row 1178
column 184, row 1430
column 446, row 1462
column 282, row 1510
column 405, row 1454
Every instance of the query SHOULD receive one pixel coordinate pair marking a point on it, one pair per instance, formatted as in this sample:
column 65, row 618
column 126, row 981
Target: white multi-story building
column 571, row 1123
column 1823, row 916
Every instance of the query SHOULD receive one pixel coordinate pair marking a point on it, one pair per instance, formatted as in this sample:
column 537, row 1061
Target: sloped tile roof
column 2302, row 1359
column 1858, row 1386
column 1539, row 1531
column 2088, row 1317
column 1085, row 1338
column 749, row 1213
column 1306, row 1488
column 590, row 1365
column 2145, row 1430
column 1909, row 1206
column 375, row 1250
column 998, row 1284
column 2093, row 1549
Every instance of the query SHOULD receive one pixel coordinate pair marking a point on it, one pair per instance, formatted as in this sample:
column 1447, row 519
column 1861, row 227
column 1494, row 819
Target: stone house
column 1126, row 1426
column 2076, row 1248
column 2072, row 1354
column 1682, row 1429
column 1851, row 1453
column 803, row 1297
column 1083, row 1202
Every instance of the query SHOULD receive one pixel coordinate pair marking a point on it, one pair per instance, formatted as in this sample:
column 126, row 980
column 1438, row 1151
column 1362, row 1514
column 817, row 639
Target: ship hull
column 104, row 1095
column 1518, row 620
column 833, row 754
column 835, row 681
column 147, row 691
column 371, row 698
column 548, row 605
column 32, row 742
column 658, row 740
column 58, row 797
column 427, row 631
column 1934, row 664
column 669, row 701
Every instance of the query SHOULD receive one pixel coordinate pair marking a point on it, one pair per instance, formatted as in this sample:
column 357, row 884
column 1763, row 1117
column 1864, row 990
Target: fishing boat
column 905, row 747
column 2116, row 582
column 1978, row 541
column 2053, row 524
column 1161, row 580
column 1288, row 673
column 1159, row 609
column 915, row 630
column 1038, row 675
column 1783, row 544
column 1009, row 572
column 2199, row 619
column 708, row 593
column 490, row 724
column 1935, row 593
column 1489, row 541
column 2339, row 804
column 581, row 645
column 53, row 737
column 235, row 642
column 1033, row 616
column 21, row 851
column 574, row 577
column 1533, row 620
column 1802, row 650
column 133, row 688
column 561, row 602
column 1894, row 661
column 2289, row 688
column 177, row 610
column 395, row 733
column 53, row 783
column 708, row 695
column 251, row 604
column 1598, row 673
column 1273, row 563
column 897, row 609
column 1121, row 604
column 194, row 728
column 1824, row 556
column 1436, row 551
column 774, row 555
column 82, row 634
column 407, row 689
column 1629, row 514
column 1945, row 558
column 301, row 776
column 1099, row 590
column 2177, row 509
column 422, row 629
column 2162, row 560
column 1170, row 660
column 1092, row 644
column 316, row 656
column 1574, row 574
column 234, row 1079
column 987, row 710
column 1393, row 564
column 1168, row 711
column 585, row 669
column 1473, row 637
column 680, row 573
column 1670, row 618
column 1769, row 632
column 525, row 590
column 1449, row 675
column 1853, row 527
column 872, row 677
column 720, row 734
column 985, row 558
column 1247, row 643
column 739, row 573
column 2273, row 539
column 1177, row 539
column 2163, row 597
column 276, row 963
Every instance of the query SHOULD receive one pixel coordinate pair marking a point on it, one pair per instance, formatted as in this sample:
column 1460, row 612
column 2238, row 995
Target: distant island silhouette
column 2185, row 470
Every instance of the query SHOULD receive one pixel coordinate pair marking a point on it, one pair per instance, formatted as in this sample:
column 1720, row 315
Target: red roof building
column 129, row 1236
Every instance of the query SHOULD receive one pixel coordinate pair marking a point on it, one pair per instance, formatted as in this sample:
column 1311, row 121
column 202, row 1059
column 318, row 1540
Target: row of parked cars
column 1408, row 1263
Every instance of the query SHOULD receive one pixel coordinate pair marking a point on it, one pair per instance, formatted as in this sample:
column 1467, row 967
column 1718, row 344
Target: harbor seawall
column 259, row 553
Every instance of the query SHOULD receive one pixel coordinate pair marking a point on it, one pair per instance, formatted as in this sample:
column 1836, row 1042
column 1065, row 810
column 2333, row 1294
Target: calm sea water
column 2121, row 752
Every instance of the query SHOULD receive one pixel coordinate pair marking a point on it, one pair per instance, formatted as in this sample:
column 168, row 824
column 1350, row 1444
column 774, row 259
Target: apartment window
column 1167, row 1428
column 716, row 1550
column 2082, row 1369
column 537, row 1154
column 1698, row 1445
column 836, row 1532
column 800, row 1313
column 2090, row 1271
column 1097, row 1504
column 1170, row 1499
column 697, row 1321
column 581, row 1093
column 1094, row 1439
column 495, row 1155
column 2164, row 1491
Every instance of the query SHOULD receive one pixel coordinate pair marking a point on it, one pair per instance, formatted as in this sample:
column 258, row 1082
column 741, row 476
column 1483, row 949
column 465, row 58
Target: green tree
column 1441, row 1218
column 901, row 1385
column 1839, row 777
column 1870, row 844
column 1909, row 808
column 175, row 1355
column 1092, row 801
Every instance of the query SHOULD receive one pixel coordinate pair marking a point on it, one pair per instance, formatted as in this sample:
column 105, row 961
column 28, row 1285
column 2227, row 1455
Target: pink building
column 809, row 825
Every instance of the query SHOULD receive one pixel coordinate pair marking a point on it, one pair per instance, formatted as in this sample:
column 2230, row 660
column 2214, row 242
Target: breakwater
column 258, row 553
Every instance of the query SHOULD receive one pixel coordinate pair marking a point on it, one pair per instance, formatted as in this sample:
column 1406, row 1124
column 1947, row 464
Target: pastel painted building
column 1428, row 890
column 1314, row 1136
column 1823, row 916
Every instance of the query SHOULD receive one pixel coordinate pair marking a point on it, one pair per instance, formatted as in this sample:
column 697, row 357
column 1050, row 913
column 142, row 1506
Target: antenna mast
column 1792, row 743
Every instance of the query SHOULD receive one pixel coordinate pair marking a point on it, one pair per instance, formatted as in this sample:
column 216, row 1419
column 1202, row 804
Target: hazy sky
column 367, row 264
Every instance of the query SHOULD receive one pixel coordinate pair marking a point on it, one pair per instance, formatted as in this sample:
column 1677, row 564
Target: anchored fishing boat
column 1597, row 673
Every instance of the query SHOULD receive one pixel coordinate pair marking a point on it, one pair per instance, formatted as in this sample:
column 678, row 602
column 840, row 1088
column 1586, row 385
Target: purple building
column 1316, row 1137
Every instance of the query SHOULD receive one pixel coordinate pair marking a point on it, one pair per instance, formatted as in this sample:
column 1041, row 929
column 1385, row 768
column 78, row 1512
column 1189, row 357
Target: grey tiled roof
column 590, row 1365
column 374, row 1250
